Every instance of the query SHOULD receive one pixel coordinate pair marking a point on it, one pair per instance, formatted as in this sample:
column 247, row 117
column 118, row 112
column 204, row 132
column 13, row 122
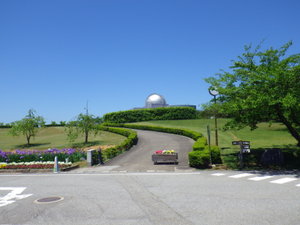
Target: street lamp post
column 212, row 91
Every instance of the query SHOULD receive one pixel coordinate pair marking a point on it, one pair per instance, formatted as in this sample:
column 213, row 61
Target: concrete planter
column 165, row 158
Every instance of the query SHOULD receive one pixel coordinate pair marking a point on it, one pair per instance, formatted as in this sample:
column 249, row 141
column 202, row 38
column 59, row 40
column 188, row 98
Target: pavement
column 145, row 194
column 175, row 198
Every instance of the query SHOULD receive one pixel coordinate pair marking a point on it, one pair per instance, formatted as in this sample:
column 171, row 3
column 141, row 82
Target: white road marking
column 298, row 185
column 283, row 180
column 218, row 174
column 241, row 175
column 260, row 178
column 13, row 195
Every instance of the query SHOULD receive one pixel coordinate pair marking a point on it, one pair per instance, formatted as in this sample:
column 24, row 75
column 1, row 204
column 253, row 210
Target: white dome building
column 155, row 100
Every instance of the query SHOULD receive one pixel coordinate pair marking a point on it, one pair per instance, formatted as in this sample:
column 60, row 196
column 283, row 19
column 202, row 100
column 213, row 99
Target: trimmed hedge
column 199, row 157
column 112, row 152
column 138, row 115
column 184, row 132
column 200, row 144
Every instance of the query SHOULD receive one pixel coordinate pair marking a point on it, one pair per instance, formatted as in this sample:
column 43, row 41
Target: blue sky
column 55, row 55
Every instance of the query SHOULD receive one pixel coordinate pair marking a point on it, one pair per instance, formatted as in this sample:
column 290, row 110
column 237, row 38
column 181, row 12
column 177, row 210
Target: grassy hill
column 265, row 136
column 55, row 137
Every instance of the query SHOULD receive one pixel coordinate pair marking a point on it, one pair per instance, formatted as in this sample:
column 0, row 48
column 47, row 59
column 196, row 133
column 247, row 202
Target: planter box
column 165, row 158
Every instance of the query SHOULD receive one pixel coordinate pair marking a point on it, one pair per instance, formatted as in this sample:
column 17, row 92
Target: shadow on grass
column 84, row 145
column 31, row 145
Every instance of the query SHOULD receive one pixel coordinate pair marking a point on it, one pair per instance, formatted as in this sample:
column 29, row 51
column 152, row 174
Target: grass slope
column 265, row 136
column 55, row 137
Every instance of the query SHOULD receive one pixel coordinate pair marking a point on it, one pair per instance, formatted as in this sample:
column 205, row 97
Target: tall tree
column 84, row 124
column 262, row 86
column 28, row 126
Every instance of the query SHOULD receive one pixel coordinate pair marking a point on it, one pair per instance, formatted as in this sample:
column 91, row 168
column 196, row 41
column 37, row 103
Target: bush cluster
column 200, row 156
column 137, row 115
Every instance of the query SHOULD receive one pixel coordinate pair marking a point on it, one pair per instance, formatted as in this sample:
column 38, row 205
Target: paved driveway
column 138, row 158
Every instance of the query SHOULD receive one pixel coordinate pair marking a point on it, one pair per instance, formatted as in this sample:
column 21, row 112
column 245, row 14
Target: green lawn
column 264, row 137
column 55, row 137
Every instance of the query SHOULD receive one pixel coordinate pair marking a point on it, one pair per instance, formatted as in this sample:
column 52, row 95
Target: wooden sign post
column 244, row 148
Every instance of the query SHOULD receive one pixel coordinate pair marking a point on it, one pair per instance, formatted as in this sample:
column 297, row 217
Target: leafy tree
column 84, row 124
column 212, row 109
column 53, row 123
column 28, row 126
column 62, row 123
column 262, row 86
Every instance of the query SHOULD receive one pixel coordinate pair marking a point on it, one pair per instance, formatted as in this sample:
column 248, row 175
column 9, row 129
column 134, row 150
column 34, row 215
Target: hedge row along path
column 138, row 158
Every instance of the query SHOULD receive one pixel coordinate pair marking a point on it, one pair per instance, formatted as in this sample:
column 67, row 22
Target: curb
column 37, row 170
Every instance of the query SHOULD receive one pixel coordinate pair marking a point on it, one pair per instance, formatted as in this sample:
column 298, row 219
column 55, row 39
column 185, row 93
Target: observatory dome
column 155, row 100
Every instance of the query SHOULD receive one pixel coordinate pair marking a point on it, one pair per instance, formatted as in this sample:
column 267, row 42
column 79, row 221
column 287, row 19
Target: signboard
column 241, row 143
column 244, row 148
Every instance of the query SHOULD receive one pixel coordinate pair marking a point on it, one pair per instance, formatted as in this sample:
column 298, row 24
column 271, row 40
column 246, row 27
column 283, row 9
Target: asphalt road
column 152, row 194
column 150, row 199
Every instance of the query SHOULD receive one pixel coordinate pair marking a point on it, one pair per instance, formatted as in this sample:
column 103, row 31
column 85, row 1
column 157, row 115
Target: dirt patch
column 96, row 147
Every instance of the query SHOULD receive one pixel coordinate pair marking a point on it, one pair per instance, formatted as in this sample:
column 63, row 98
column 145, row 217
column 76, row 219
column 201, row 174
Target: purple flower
column 3, row 154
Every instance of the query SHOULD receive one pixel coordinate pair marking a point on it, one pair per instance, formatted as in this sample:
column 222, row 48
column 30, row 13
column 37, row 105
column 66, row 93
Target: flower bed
column 34, row 165
column 16, row 156
column 165, row 152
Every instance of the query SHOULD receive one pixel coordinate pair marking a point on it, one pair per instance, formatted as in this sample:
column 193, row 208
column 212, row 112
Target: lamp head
column 213, row 91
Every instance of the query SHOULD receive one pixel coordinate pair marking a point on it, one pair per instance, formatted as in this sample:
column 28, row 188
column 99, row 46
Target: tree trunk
column 289, row 126
column 295, row 118
column 28, row 140
column 86, row 137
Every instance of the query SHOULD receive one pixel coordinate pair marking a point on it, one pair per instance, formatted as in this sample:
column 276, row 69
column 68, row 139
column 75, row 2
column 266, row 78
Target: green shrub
column 200, row 144
column 215, row 154
column 185, row 132
column 199, row 159
column 137, row 115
